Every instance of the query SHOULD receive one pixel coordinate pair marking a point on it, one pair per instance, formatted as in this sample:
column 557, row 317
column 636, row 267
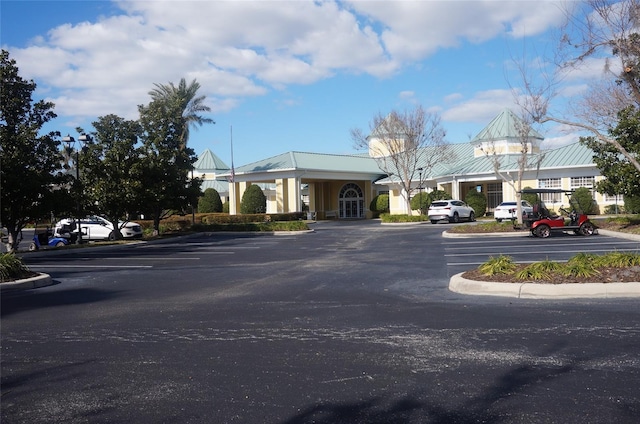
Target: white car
column 97, row 228
column 507, row 210
column 451, row 210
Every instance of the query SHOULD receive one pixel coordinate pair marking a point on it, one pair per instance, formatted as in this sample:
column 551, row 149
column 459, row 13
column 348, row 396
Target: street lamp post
column 71, row 144
column 420, row 191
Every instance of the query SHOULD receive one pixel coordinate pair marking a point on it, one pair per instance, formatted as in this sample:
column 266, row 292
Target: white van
column 96, row 228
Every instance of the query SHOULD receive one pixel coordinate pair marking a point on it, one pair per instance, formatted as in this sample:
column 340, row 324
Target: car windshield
column 439, row 204
column 508, row 204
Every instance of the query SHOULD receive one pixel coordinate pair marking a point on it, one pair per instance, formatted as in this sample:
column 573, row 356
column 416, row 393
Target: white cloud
column 483, row 107
column 239, row 49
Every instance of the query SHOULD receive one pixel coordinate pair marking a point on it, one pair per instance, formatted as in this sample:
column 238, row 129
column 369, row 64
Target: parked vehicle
column 43, row 239
column 508, row 210
column 96, row 228
column 451, row 210
column 543, row 222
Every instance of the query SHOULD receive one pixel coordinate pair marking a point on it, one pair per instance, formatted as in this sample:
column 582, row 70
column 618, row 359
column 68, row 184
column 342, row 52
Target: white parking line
column 455, row 247
column 90, row 266
column 480, row 263
column 137, row 258
column 528, row 252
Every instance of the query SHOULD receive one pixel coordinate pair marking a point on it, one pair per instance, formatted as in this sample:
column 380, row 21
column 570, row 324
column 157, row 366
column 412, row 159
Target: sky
column 285, row 76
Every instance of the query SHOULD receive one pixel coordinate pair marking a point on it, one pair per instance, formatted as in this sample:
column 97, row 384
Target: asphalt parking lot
column 351, row 323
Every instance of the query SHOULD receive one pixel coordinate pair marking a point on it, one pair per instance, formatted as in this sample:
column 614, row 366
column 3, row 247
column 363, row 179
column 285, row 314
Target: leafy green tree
column 210, row 201
column 583, row 199
column 166, row 163
column 253, row 200
column 186, row 101
column 532, row 198
column 421, row 202
column 438, row 195
column 622, row 177
column 31, row 182
column 632, row 204
column 111, row 168
column 478, row 201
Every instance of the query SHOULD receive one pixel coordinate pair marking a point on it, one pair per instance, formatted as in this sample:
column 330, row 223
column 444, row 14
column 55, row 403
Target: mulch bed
column 26, row 274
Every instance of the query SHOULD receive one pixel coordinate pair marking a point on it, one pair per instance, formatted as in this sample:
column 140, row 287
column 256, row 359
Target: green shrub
column 225, row 207
column 579, row 269
column 254, row 226
column 439, row 195
column 632, row 204
column 421, row 202
column 532, row 198
column 583, row 198
column 478, row 201
column 498, row 265
column 613, row 209
column 533, row 272
column 12, row 267
column 210, row 201
column 380, row 203
column 253, row 201
column 619, row 259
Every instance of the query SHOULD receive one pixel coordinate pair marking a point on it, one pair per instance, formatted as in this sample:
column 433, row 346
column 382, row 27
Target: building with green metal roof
column 342, row 186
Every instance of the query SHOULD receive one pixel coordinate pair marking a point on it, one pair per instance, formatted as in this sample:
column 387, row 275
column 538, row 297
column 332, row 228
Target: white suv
column 451, row 210
column 97, row 228
column 507, row 210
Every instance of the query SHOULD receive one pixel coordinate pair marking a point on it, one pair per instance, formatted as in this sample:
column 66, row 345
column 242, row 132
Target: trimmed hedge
column 388, row 218
column 254, row 226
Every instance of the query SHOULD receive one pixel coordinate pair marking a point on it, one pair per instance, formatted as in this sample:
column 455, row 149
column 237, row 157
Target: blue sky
column 286, row 75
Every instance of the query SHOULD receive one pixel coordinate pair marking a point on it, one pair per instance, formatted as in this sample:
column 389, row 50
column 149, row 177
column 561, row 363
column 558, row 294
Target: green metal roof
column 571, row 155
column 507, row 125
column 208, row 161
column 219, row 186
column 313, row 161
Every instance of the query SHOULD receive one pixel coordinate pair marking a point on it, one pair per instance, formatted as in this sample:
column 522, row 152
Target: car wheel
column 60, row 244
column 33, row 247
column 543, row 231
column 587, row 229
column 472, row 217
column 498, row 219
column 433, row 221
column 455, row 217
column 112, row 236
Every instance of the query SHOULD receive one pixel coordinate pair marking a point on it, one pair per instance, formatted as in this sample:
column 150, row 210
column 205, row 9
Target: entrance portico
column 337, row 186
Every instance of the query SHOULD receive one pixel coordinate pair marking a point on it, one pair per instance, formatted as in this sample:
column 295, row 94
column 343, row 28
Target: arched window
column 351, row 201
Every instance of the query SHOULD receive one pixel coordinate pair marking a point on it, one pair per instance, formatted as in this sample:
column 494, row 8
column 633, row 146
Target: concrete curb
column 458, row 284
column 41, row 280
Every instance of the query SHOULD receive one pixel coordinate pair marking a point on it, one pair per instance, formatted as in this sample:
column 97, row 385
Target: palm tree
column 190, row 104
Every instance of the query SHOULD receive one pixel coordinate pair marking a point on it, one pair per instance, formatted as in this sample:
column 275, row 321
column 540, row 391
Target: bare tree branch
column 402, row 143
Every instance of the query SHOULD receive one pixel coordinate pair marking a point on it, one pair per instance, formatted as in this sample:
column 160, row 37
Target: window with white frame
column 587, row 182
column 550, row 183
column 619, row 198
